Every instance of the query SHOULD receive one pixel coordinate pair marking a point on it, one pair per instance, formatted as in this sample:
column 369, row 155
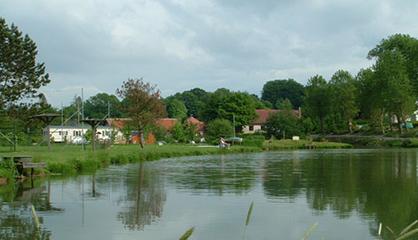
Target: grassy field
column 72, row 159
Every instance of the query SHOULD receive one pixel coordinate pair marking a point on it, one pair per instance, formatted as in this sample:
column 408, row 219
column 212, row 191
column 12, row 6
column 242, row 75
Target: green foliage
column 405, row 45
column 317, row 102
column 98, row 105
column 255, row 140
column 344, row 100
column 194, row 100
column 20, row 74
column 218, row 128
column 274, row 91
column 178, row 133
column 175, row 108
column 282, row 125
column 225, row 104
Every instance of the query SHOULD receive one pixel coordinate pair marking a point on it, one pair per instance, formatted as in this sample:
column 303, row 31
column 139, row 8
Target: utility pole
column 233, row 123
column 82, row 122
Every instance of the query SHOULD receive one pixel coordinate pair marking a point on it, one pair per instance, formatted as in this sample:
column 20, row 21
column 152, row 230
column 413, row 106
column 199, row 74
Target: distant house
column 200, row 126
column 68, row 134
column 167, row 123
column 261, row 119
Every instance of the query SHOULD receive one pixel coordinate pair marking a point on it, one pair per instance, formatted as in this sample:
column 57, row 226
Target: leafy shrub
column 218, row 128
column 255, row 140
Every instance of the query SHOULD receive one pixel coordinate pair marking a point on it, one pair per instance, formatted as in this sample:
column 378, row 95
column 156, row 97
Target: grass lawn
column 71, row 159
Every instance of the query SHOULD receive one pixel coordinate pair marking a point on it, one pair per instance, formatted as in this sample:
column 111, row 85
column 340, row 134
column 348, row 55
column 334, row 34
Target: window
column 251, row 128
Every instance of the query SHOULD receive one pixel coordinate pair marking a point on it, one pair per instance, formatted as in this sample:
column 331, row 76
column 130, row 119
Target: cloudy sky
column 182, row 44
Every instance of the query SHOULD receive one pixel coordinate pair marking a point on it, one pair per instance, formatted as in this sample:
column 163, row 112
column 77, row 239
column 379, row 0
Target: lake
column 347, row 193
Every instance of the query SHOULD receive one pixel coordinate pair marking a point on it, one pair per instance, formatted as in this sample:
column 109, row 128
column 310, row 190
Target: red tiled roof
column 194, row 121
column 167, row 123
column 263, row 115
column 117, row 122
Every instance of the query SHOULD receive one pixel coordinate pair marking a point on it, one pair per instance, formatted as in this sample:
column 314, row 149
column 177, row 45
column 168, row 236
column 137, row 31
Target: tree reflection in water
column 379, row 186
column 144, row 200
column 16, row 220
column 218, row 174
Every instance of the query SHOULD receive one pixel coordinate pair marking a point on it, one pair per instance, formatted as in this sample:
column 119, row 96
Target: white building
column 69, row 134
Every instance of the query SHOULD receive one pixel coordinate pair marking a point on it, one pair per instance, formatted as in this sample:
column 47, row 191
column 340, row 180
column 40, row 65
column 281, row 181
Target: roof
column 117, row 122
column 194, row 121
column 263, row 115
column 167, row 123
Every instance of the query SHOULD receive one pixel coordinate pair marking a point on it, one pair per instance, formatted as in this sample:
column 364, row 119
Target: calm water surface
column 347, row 192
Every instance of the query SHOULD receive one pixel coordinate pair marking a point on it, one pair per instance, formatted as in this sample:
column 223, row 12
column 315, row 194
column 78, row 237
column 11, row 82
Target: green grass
column 302, row 144
column 70, row 159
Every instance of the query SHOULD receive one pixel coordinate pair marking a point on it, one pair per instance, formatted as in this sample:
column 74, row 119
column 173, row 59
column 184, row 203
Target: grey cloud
column 182, row 44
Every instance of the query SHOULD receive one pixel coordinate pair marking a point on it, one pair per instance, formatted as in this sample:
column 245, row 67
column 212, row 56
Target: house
column 200, row 126
column 261, row 119
column 69, row 134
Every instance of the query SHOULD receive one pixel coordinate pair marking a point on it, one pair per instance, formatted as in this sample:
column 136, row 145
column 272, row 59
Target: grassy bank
column 302, row 144
column 373, row 141
column 71, row 159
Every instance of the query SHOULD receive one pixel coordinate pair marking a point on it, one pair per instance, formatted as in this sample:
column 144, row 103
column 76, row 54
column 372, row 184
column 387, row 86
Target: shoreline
column 71, row 160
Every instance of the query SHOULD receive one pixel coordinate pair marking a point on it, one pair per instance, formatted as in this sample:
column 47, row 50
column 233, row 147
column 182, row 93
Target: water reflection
column 144, row 199
column 216, row 174
column 357, row 187
column 16, row 200
column 381, row 186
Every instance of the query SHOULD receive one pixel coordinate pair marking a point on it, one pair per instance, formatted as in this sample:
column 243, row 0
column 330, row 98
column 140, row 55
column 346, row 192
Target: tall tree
column 370, row 99
column 397, row 92
column 142, row 103
column 276, row 90
column 20, row 74
column 175, row 108
column 223, row 104
column 194, row 100
column 406, row 46
column 344, row 97
column 317, row 102
column 98, row 106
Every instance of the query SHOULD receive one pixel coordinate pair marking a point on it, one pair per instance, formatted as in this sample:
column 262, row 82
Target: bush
column 253, row 140
column 282, row 124
column 218, row 128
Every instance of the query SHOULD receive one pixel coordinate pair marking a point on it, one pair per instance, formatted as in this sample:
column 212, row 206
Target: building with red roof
column 261, row 119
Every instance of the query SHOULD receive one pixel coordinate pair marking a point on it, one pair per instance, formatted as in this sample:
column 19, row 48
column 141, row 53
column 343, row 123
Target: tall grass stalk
column 36, row 220
column 407, row 232
column 187, row 234
column 247, row 220
column 309, row 231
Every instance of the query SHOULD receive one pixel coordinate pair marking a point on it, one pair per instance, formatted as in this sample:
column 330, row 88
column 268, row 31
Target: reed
column 187, row 234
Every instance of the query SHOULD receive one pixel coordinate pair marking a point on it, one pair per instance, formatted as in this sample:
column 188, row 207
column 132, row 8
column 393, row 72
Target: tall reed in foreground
column 187, row 234
column 406, row 233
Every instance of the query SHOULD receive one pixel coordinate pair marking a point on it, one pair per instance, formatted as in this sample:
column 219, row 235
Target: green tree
column 370, row 99
column 407, row 46
column 275, row 90
column 397, row 91
column 317, row 102
column 218, row 128
column 344, row 98
column 20, row 74
column 98, row 105
column 142, row 103
column 194, row 100
column 282, row 124
column 175, row 108
column 228, row 105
